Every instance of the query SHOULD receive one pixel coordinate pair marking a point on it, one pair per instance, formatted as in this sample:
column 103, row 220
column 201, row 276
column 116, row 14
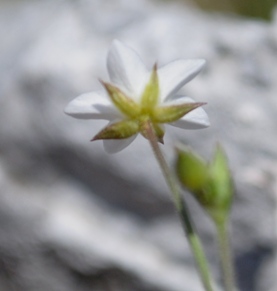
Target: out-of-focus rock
column 75, row 218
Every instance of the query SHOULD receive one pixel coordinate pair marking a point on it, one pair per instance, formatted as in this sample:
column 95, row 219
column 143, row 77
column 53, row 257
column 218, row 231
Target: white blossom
column 135, row 94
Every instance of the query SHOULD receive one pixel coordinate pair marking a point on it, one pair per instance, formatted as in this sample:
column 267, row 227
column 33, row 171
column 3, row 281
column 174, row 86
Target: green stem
column 181, row 207
column 225, row 254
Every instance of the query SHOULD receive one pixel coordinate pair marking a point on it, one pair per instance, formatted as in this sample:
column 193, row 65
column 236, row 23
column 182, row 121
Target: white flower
column 136, row 95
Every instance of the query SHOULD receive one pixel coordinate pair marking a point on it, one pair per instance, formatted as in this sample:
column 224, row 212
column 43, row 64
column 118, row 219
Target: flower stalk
column 225, row 254
column 182, row 210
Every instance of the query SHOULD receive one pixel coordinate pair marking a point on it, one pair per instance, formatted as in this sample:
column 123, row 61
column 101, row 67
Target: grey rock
column 75, row 218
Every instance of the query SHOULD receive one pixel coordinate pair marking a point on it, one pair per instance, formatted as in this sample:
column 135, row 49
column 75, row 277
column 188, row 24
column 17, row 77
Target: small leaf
column 119, row 130
column 167, row 114
column 124, row 103
column 150, row 96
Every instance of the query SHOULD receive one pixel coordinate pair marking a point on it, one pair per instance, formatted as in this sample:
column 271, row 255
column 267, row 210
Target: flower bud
column 210, row 183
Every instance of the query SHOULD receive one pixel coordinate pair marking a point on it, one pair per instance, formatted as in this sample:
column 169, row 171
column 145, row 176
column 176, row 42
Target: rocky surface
column 75, row 218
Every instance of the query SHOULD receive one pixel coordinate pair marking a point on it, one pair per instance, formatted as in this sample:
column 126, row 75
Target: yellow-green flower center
column 148, row 109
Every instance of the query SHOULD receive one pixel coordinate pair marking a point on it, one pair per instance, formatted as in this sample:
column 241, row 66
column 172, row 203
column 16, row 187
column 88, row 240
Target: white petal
column 195, row 119
column 179, row 100
column 175, row 75
column 94, row 105
column 113, row 146
column 126, row 69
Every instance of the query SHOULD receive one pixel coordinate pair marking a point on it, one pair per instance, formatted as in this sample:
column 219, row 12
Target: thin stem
column 225, row 255
column 181, row 207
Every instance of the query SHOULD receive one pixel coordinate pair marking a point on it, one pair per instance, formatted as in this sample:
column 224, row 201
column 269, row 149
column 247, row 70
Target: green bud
column 119, row 130
column 210, row 184
column 167, row 114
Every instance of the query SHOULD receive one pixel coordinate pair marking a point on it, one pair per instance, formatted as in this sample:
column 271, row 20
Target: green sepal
column 167, row 114
column 221, row 183
column 150, row 96
column 192, row 172
column 119, row 130
column 158, row 130
column 124, row 103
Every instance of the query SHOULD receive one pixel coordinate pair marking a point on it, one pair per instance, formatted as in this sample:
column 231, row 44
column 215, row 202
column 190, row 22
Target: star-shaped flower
column 136, row 95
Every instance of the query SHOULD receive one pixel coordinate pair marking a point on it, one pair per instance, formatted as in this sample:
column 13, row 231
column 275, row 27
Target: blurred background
column 75, row 218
